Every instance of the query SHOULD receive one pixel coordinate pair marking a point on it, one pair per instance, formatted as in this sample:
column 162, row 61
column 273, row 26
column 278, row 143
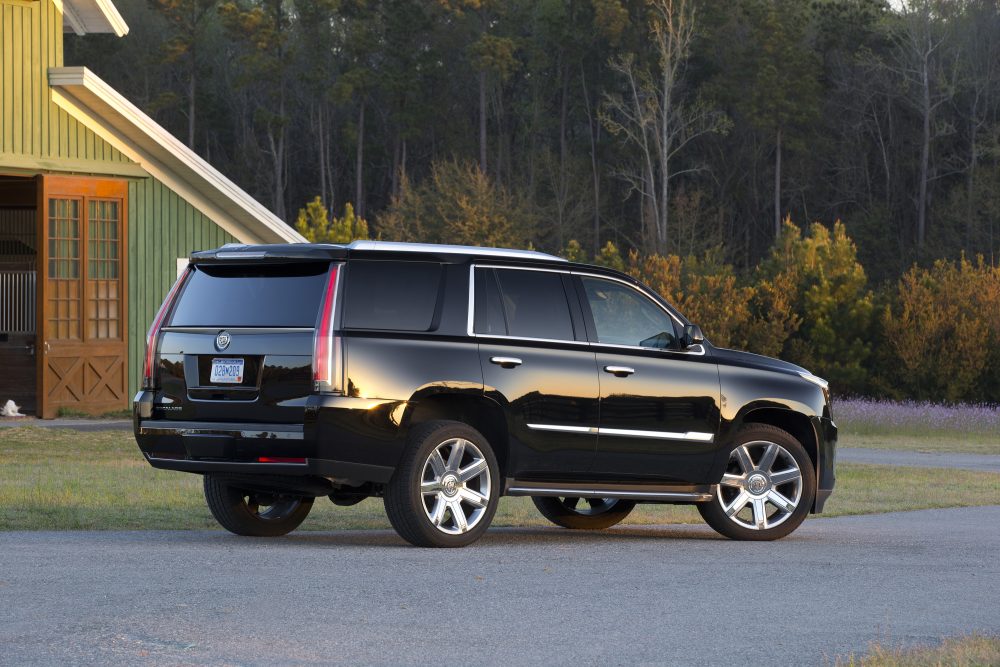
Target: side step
column 688, row 493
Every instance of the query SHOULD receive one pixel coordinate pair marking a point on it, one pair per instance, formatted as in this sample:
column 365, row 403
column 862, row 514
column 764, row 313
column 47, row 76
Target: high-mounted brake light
column 154, row 329
column 326, row 346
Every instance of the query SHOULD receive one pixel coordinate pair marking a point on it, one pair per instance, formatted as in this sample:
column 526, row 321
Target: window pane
column 489, row 308
column 394, row 296
column 535, row 304
column 282, row 295
column 623, row 316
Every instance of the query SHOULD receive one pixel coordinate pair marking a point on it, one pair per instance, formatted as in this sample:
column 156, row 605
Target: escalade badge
column 222, row 340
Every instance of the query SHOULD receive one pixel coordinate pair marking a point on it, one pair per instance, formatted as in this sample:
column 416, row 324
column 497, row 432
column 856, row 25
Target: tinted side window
column 265, row 295
column 534, row 303
column 489, row 307
column 623, row 316
column 397, row 296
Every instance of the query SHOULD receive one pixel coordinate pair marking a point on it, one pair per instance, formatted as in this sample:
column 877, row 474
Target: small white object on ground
column 11, row 409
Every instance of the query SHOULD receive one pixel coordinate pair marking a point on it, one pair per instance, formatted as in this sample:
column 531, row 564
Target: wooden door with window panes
column 82, row 296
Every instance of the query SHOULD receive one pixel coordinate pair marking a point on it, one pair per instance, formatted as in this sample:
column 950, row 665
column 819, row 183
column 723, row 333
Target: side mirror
column 692, row 336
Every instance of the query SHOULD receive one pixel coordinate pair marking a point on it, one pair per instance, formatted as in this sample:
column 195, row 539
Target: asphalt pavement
column 666, row 595
column 896, row 457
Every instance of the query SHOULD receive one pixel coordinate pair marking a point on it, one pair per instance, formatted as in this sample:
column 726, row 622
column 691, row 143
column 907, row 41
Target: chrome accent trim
column 246, row 434
column 564, row 429
column 691, row 496
column 692, row 436
column 619, row 370
column 815, row 379
column 397, row 246
column 243, row 330
column 695, row 350
column 506, row 361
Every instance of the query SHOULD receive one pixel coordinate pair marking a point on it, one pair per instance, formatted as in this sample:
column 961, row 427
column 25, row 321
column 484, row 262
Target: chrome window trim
column 691, row 436
column 694, row 350
column 245, row 330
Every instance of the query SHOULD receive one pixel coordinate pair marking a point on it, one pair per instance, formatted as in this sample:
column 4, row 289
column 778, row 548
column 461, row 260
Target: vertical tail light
column 154, row 329
column 327, row 356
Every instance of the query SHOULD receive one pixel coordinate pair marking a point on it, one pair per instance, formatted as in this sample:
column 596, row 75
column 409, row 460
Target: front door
column 82, row 272
column 659, row 405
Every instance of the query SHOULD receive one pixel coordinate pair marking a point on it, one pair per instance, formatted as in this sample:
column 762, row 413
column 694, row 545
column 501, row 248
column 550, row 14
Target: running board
column 653, row 492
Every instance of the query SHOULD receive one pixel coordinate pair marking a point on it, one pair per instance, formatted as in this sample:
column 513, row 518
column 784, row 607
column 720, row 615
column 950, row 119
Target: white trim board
column 123, row 125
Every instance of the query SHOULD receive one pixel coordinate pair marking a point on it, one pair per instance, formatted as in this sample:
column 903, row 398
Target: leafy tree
column 831, row 301
column 316, row 225
column 457, row 204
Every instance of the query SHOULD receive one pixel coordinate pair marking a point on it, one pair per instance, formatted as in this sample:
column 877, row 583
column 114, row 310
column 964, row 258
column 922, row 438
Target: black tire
column 595, row 514
column 410, row 506
column 252, row 513
column 757, row 438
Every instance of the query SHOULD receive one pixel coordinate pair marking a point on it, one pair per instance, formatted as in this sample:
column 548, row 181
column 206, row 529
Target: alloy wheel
column 455, row 486
column 762, row 485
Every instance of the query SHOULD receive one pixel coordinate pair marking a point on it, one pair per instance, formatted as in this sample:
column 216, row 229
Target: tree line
column 663, row 126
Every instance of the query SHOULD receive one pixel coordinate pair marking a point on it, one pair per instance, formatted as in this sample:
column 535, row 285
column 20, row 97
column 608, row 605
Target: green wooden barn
column 98, row 205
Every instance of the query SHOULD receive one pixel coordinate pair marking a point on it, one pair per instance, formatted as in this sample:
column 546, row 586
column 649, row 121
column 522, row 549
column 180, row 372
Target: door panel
column 552, row 405
column 660, row 421
column 81, row 299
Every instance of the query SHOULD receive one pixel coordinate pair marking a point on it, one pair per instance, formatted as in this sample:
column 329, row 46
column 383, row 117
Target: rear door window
column 393, row 296
column 264, row 295
column 534, row 304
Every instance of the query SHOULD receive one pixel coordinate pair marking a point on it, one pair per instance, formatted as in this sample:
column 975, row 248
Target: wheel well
column 797, row 425
column 478, row 412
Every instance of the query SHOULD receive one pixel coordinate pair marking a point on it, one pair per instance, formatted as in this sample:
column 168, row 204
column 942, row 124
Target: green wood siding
column 162, row 227
column 31, row 41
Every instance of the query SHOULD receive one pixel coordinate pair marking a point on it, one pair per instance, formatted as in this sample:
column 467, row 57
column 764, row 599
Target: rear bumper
column 339, row 439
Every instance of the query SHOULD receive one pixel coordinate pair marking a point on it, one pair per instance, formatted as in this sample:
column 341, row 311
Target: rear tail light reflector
column 154, row 329
column 280, row 459
column 327, row 360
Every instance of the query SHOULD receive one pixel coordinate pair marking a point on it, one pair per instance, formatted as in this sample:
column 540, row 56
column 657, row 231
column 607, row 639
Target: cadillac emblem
column 222, row 340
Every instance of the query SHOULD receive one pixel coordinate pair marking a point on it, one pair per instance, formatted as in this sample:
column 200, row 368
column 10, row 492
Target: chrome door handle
column 619, row 371
column 506, row 362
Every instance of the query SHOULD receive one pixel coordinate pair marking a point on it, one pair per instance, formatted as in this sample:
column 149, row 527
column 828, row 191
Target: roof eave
column 119, row 122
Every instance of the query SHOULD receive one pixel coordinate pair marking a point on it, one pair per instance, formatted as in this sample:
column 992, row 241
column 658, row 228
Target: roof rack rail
column 398, row 246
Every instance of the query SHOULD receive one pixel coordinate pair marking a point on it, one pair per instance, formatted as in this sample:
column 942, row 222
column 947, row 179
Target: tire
column 595, row 514
column 768, row 487
column 253, row 513
column 437, row 500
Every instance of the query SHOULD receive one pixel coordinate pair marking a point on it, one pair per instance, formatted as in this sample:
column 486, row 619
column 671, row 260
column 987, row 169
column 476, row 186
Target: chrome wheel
column 762, row 485
column 455, row 486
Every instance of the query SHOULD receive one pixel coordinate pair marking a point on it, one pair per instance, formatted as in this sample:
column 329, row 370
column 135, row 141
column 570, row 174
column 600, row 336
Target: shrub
column 943, row 331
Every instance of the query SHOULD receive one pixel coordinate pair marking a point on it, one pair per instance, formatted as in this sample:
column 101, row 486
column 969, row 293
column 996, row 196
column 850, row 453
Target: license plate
column 227, row 371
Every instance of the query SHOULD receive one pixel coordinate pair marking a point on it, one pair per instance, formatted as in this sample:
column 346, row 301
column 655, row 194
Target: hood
column 747, row 359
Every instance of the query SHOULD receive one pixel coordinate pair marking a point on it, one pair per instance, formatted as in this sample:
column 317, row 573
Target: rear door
column 537, row 363
column 238, row 346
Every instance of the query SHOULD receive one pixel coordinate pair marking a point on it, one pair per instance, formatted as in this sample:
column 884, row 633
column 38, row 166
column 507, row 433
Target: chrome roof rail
column 394, row 246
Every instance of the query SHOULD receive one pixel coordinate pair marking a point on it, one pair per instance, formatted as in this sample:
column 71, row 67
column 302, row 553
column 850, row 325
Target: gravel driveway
column 671, row 595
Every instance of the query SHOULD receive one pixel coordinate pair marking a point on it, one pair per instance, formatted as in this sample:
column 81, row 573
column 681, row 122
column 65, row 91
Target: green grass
column 968, row 651
column 54, row 479
column 922, row 441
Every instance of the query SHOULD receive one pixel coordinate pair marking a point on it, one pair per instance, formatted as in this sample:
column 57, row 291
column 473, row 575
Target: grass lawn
column 964, row 443
column 970, row 651
column 54, row 479
column 919, row 427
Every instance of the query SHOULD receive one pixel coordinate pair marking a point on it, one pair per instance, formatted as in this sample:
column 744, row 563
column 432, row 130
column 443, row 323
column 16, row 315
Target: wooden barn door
column 83, row 344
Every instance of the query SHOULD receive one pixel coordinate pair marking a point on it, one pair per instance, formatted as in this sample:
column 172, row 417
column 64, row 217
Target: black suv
column 443, row 377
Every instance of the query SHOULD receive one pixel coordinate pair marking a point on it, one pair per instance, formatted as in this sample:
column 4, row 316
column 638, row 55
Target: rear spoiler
column 284, row 252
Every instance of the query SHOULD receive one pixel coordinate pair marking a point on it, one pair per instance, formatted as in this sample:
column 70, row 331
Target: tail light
column 154, row 329
column 327, row 355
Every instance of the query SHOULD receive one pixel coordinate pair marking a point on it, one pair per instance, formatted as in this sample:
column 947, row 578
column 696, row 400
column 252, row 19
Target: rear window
column 393, row 296
column 275, row 295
